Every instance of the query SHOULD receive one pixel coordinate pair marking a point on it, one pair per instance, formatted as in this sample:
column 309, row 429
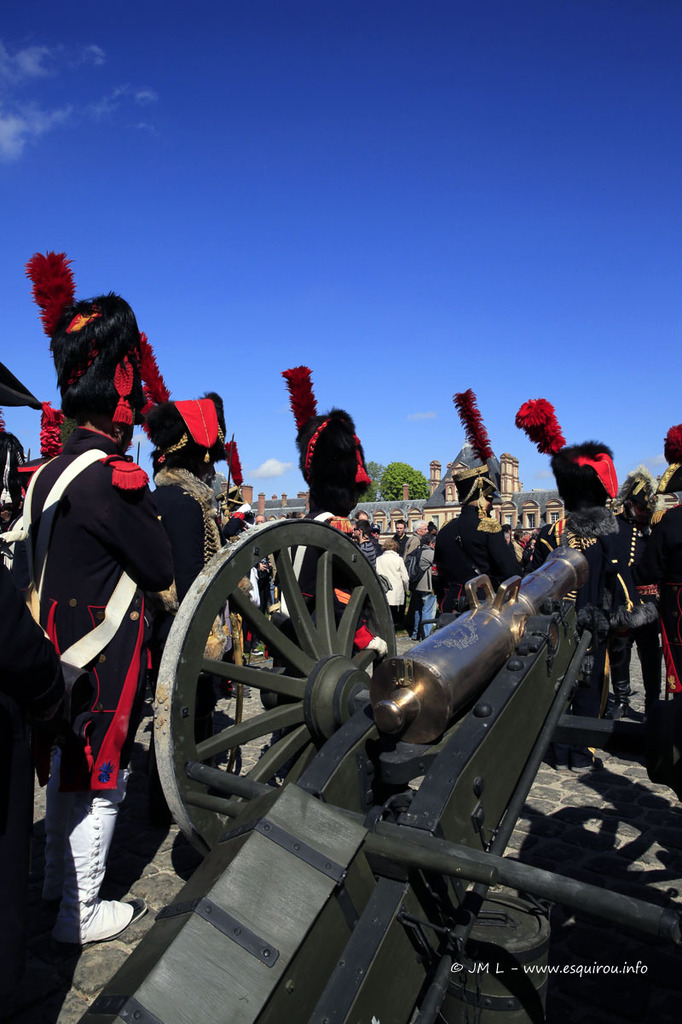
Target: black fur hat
column 184, row 434
column 330, row 454
column 329, row 461
column 11, row 458
column 96, row 351
column 585, row 475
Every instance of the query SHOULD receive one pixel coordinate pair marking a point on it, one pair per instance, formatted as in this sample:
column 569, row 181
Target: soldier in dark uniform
column 661, row 564
column 31, row 687
column 94, row 551
column 333, row 465
column 586, row 479
column 639, row 501
column 473, row 544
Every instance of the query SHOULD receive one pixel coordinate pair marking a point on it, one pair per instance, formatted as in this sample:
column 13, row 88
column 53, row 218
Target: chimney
column 406, row 492
column 434, row 480
column 284, row 501
column 247, row 493
column 261, row 504
column 307, row 501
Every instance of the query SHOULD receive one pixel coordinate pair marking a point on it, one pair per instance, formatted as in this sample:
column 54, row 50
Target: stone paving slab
column 612, row 828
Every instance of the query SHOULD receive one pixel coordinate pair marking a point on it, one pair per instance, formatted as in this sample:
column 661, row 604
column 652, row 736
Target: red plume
column 672, row 446
column 236, row 474
column 472, row 421
column 53, row 286
column 300, row 387
column 51, row 422
column 153, row 384
column 538, row 418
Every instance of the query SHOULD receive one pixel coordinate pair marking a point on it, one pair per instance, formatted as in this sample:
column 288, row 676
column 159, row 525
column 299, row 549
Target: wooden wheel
column 311, row 686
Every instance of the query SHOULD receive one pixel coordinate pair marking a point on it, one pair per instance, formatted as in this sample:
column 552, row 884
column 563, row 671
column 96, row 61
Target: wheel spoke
column 261, row 725
column 363, row 659
column 279, row 753
column 349, row 620
column 324, row 603
column 274, row 679
column 297, row 609
column 274, row 639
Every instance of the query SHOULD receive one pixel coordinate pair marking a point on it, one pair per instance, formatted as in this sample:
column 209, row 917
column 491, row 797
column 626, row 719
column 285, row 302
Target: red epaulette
column 126, row 474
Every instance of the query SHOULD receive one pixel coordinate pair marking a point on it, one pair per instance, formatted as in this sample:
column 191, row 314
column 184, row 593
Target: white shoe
column 109, row 920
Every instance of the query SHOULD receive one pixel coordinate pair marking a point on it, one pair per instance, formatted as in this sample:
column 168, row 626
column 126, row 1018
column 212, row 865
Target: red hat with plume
column 537, row 418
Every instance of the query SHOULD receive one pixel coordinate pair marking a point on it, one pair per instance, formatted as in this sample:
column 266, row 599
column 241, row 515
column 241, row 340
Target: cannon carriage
column 349, row 871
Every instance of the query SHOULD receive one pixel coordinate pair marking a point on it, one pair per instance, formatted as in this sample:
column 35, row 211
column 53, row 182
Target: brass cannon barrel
column 417, row 695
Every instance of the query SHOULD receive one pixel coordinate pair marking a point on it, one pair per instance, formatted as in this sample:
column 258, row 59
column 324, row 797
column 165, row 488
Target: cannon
column 347, row 875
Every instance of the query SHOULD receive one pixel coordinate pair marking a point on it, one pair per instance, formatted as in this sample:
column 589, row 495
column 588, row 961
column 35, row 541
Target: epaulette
column 658, row 515
column 126, row 474
column 489, row 525
column 341, row 523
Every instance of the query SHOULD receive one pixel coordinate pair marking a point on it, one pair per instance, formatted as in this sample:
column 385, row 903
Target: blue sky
column 410, row 197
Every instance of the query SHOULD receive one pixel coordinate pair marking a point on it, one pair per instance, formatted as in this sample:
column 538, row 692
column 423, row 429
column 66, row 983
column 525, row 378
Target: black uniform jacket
column 464, row 550
column 99, row 531
column 662, row 560
column 610, row 586
column 661, row 563
column 30, row 682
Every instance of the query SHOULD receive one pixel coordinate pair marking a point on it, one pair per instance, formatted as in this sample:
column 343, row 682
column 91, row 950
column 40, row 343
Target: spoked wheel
column 307, row 691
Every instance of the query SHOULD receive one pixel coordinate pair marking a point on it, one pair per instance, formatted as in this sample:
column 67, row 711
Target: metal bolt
column 237, row 931
column 266, row 953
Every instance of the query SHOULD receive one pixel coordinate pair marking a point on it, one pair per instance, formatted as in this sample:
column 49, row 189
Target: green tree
column 398, row 473
column 375, row 472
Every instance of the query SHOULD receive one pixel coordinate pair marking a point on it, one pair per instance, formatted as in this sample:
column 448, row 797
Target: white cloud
column 271, row 468
column 24, row 64
column 544, row 474
column 92, row 55
column 422, row 416
column 16, row 129
column 20, row 70
column 122, row 93
column 656, row 460
column 144, row 96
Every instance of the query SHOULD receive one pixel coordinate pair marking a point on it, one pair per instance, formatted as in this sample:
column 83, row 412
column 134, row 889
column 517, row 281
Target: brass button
column 134, row 616
column 99, row 706
column 100, row 615
column 102, row 658
column 73, row 602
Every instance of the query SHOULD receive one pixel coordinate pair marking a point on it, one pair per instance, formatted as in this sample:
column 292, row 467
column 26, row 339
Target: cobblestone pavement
column 612, row 828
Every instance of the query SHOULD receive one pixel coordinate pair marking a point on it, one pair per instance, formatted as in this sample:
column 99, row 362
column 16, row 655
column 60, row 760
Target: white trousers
column 79, row 829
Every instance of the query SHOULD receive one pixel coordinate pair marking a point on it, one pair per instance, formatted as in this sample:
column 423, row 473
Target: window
column 554, row 517
column 509, row 519
column 530, row 520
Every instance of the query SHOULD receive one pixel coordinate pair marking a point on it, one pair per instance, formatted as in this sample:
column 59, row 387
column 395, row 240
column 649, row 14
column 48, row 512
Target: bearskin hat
column 95, row 343
column 331, row 457
column 188, row 434
column 96, row 351
column 11, row 458
column 585, row 475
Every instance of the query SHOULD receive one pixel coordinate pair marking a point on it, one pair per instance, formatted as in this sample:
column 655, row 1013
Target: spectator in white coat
column 391, row 565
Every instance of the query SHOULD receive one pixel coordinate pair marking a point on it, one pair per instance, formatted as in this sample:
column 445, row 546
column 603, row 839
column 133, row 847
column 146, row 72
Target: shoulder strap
column 93, row 643
column 38, row 547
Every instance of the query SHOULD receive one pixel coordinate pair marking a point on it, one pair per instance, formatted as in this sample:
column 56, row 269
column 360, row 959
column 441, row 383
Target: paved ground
column 612, row 828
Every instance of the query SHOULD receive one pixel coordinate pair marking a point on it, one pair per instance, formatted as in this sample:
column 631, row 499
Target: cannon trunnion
column 347, row 875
